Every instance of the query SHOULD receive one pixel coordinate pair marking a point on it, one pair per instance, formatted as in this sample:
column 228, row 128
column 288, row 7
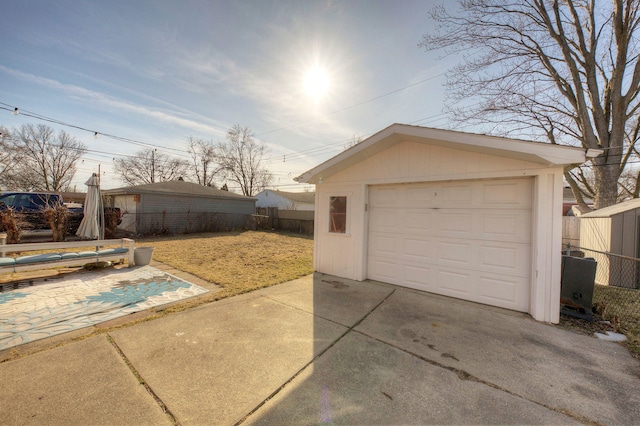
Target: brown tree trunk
column 606, row 177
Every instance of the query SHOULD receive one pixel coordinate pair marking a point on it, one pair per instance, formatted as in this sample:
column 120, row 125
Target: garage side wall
column 177, row 214
column 340, row 254
column 345, row 255
column 128, row 206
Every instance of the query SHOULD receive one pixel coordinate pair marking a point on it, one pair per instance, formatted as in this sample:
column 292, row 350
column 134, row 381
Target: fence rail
column 570, row 230
column 298, row 221
column 187, row 222
column 616, row 295
column 613, row 269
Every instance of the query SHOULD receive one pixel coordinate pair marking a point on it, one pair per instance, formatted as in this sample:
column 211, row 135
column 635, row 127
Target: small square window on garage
column 338, row 215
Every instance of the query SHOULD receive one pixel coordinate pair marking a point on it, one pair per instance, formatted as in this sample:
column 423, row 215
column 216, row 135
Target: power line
column 318, row 150
column 16, row 110
column 26, row 113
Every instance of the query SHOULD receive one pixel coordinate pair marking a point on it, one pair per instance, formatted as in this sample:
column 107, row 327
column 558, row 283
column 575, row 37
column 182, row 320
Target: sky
column 306, row 76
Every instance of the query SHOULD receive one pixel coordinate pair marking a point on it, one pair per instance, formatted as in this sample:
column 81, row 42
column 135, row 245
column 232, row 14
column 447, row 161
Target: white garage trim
column 465, row 239
column 406, row 155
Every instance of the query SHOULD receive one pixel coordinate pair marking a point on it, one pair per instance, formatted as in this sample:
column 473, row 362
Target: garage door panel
column 454, row 253
column 495, row 225
column 384, row 221
column 418, row 276
column 455, row 223
column 383, row 245
column 385, row 196
column 416, row 196
column 507, row 193
column 455, row 283
column 382, row 270
column 456, row 194
column 497, row 291
column 418, row 249
column 468, row 239
column 505, row 259
column 502, row 226
column 510, row 259
column 419, row 221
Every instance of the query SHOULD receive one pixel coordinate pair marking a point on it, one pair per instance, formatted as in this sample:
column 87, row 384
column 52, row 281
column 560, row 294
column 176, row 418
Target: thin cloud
column 83, row 94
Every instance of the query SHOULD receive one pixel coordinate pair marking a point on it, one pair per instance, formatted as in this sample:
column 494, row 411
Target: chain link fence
column 297, row 221
column 616, row 296
column 187, row 222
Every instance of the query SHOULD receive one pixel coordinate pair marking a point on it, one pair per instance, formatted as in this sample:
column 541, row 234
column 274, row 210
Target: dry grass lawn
column 244, row 261
column 237, row 261
column 621, row 306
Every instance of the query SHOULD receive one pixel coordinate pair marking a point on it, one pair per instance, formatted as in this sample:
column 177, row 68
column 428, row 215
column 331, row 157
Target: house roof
column 614, row 210
column 175, row 187
column 298, row 197
column 536, row 152
column 569, row 198
column 73, row 196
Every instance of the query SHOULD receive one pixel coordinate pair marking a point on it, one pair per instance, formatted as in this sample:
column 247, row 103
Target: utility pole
column 153, row 166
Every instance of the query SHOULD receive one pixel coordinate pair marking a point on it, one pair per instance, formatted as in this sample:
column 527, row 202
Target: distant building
column 614, row 229
column 569, row 202
column 177, row 207
column 73, row 197
column 286, row 200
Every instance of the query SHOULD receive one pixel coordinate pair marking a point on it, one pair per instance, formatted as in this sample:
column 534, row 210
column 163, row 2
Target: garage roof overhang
column 535, row 152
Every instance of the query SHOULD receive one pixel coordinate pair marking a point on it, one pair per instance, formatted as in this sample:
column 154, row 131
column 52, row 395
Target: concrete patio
column 326, row 350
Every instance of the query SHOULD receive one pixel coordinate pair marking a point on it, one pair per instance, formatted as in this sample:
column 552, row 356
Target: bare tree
column 355, row 140
column 565, row 71
column 240, row 156
column 149, row 166
column 10, row 158
column 203, row 155
column 39, row 159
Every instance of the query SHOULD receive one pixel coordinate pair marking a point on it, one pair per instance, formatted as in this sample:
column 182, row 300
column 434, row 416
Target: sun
column 316, row 83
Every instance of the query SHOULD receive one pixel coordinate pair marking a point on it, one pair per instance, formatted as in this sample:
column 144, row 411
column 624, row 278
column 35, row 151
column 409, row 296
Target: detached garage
column 468, row 216
column 178, row 207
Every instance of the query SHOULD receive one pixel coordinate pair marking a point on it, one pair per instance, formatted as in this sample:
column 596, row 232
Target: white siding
column 268, row 198
column 595, row 234
column 128, row 206
column 405, row 162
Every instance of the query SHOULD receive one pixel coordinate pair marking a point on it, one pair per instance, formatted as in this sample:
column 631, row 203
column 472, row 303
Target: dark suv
column 30, row 207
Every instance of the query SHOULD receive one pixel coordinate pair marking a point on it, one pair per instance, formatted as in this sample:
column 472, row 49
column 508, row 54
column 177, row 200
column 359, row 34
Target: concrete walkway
column 327, row 350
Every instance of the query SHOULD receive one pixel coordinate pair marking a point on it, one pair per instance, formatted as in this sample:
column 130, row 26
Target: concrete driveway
column 327, row 350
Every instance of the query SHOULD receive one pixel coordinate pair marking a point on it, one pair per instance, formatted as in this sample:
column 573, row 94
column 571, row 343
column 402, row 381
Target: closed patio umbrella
column 90, row 227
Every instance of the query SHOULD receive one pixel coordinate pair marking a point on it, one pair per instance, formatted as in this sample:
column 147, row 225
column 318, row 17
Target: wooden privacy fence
column 188, row 222
column 570, row 231
column 298, row 221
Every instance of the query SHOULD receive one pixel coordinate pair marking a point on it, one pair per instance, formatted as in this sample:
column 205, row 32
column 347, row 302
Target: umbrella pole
column 100, row 216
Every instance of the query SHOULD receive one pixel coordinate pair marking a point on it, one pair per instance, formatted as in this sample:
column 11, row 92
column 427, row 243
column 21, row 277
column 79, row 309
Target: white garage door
column 465, row 239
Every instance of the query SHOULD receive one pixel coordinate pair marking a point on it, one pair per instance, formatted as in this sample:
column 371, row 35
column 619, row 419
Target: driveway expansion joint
column 464, row 375
column 314, row 359
column 297, row 308
column 142, row 381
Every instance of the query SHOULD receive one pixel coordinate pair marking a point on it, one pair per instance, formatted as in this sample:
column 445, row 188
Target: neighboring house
column 570, row 218
column 73, row 197
column 468, row 216
column 179, row 207
column 614, row 229
column 286, row 200
column 569, row 202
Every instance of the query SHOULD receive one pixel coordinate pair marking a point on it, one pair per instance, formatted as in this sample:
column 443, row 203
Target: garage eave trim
column 535, row 152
